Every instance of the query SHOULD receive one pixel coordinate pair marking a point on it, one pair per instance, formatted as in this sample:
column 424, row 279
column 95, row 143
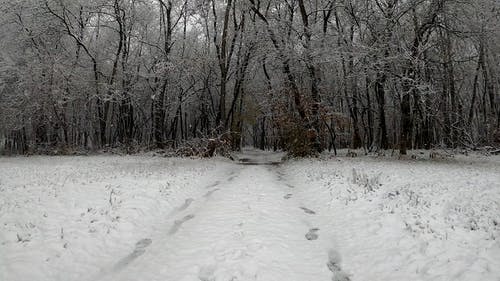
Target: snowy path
column 247, row 227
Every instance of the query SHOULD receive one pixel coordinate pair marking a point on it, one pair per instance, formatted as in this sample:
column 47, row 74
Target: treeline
column 300, row 75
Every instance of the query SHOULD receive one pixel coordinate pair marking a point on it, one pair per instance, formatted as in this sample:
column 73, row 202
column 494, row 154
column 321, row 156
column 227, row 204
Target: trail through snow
column 241, row 229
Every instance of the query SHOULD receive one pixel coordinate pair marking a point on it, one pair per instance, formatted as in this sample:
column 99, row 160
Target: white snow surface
column 152, row 218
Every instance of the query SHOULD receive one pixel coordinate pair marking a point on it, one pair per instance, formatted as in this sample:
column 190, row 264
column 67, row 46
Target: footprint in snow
column 308, row 211
column 288, row 196
column 206, row 273
column 185, row 205
column 208, row 194
column 178, row 223
column 334, row 265
column 140, row 249
column 213, row 184
column 312, row 234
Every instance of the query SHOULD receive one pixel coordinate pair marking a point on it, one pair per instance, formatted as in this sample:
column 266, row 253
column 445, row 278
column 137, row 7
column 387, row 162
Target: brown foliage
column 206, row 147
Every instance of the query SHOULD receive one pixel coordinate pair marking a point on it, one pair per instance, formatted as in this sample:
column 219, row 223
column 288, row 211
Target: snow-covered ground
column 406, row 220
column 153, row 218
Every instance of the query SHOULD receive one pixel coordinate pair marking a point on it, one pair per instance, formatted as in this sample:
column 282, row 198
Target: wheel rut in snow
column 188, row 202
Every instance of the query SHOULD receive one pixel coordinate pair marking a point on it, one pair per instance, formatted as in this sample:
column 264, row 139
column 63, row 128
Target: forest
column 301, row 76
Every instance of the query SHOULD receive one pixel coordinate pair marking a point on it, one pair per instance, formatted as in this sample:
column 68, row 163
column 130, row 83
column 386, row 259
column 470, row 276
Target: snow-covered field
column 407, row 220
column 153, row 218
